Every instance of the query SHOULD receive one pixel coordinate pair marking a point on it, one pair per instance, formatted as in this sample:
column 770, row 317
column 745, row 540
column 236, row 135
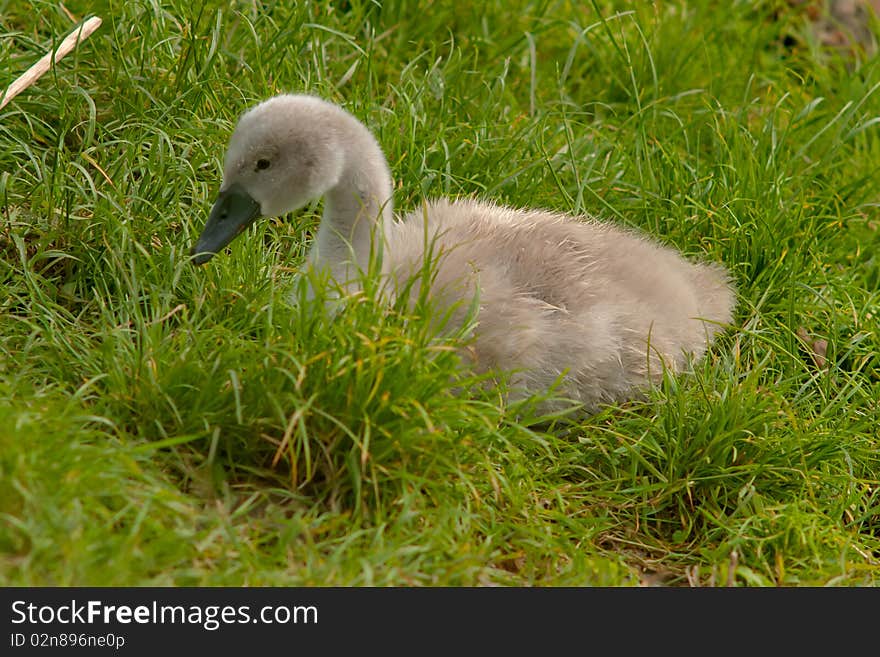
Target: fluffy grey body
column 603, row 308
column 598, row 308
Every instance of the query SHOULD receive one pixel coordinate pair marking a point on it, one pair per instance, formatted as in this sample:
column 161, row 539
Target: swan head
column 284, row 153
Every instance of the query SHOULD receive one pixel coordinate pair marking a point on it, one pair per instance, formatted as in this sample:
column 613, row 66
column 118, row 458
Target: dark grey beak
column 232, row 212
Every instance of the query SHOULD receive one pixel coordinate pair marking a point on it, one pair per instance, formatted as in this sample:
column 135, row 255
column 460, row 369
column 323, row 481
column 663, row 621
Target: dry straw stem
column 36, row 71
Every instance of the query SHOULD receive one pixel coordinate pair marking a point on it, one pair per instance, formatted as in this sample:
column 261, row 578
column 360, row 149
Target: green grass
column 166, row 424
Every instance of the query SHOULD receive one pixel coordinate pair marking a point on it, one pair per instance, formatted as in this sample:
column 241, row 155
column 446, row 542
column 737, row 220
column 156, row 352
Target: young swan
column 602, row 307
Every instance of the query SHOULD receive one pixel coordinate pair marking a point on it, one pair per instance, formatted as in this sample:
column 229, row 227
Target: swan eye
column 262, row 164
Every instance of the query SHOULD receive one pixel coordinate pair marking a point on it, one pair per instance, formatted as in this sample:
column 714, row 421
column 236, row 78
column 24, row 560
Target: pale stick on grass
column 36, row 71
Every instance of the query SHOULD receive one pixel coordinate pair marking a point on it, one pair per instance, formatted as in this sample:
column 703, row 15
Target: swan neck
column 357, row 211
